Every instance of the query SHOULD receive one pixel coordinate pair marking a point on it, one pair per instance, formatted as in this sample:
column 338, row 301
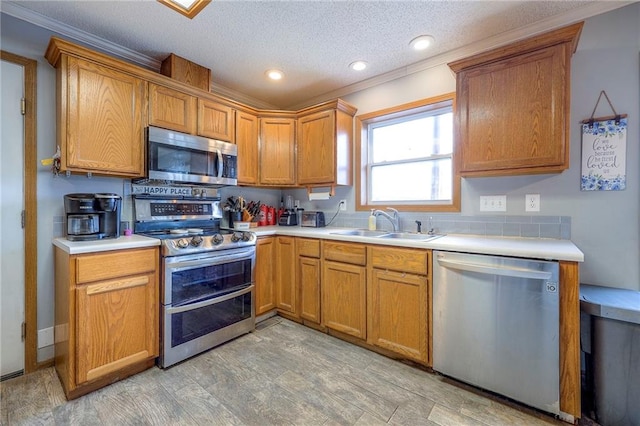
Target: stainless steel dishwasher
column 496, row 325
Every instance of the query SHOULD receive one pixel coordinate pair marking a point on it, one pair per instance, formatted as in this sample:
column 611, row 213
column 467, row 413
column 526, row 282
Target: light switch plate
column 493, row 203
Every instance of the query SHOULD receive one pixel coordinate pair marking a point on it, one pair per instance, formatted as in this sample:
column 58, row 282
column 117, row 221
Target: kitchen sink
column 361, row 233
column 386, row 234
column 410, row 236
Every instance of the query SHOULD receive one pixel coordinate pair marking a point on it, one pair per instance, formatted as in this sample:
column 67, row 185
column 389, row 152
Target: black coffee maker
column 92, row 216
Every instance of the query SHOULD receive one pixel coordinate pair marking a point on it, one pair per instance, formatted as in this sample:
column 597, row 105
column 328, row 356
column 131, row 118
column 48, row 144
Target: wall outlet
column 343, row 205
column 493, row 203
column 532, row 203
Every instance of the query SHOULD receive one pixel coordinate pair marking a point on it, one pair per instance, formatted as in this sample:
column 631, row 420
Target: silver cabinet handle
column 495, row 270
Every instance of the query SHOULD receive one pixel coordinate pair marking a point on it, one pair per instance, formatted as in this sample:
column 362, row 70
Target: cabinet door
column 512, row 114
column 171, row 109
column 116, row 325
column 344, row 305
column 398, row 313
column 247, row 141
column 265, row 275
column 286, row 275
column 316, row 145
column 106, row 115
column 309, row 283
column 216, row 121
column 277, row 151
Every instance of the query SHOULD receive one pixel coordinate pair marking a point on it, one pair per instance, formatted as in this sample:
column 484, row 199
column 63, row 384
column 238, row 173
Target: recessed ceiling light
column 275, row 74
column 188, row 8
column 358, row 65
column 422, row 42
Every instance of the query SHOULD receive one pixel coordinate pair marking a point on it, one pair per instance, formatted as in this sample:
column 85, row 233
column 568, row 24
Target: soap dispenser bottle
column 372, row 221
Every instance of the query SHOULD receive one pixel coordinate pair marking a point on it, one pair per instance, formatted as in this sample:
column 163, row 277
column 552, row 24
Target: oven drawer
column 194, row 328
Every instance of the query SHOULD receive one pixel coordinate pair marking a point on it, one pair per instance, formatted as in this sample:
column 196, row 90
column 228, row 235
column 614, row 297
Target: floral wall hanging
column 604, row 150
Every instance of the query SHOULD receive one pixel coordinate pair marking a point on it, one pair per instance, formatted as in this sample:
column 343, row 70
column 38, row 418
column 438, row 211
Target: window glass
column 407, row 157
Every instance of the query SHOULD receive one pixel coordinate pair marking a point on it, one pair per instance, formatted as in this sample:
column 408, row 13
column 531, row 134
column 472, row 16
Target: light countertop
column 120, row 243
column 534, row 248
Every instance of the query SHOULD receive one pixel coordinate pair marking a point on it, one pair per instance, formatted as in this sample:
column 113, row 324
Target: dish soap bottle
column 372, row 221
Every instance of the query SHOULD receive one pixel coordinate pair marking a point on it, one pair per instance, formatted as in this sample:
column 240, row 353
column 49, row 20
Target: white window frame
column 363, row 184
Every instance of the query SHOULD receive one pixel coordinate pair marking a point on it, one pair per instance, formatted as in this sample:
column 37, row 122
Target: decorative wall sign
column 604, row 148
column 604, row 151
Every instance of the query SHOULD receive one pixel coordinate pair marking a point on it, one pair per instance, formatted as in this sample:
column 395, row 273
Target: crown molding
column 596, row 8
column 240, row 97
column 90, row 40
column 507, row 37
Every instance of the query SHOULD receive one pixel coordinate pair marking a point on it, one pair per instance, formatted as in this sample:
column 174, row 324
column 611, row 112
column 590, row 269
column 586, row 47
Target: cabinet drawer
column 308, row 248
column 345, row 252
column 101, row 266
column 398, row 259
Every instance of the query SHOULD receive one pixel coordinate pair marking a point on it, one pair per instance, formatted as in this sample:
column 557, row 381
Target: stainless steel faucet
column 393, row 217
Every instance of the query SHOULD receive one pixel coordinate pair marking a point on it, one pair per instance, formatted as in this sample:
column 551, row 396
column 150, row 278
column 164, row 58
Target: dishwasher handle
column 507, row 271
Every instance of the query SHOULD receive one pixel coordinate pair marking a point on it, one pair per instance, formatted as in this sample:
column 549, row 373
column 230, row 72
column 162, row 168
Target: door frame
column 30, row 211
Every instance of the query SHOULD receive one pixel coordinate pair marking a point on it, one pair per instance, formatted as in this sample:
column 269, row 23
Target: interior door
column 11, row 231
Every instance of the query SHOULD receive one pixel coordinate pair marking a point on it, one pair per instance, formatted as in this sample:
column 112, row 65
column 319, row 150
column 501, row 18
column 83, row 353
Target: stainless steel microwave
column 180, row 157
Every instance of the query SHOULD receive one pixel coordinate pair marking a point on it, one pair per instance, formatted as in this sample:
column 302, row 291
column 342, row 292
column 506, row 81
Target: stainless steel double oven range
column 207, row 274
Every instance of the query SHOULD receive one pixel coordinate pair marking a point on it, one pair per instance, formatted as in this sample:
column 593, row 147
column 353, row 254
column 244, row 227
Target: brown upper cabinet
column 325, row 144
column 247, row 140
column 513, row 106
column 277, row 151
column 101, row 117
column 171, row 109
column 216, row 120
column 179, row 111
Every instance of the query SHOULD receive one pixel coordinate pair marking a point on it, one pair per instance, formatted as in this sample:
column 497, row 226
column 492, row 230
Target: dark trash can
column 610, row 340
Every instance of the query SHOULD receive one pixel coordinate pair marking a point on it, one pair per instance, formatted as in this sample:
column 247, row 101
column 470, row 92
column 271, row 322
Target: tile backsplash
column 558, row 227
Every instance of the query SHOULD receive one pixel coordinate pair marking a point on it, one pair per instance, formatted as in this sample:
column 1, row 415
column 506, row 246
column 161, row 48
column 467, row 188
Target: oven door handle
column 209, row 302
column 208, row 261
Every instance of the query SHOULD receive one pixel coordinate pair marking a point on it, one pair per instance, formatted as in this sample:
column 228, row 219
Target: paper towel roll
column 319, row 196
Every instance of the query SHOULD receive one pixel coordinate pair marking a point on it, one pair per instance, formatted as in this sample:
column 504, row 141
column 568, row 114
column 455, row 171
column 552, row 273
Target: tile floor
column 282, row 374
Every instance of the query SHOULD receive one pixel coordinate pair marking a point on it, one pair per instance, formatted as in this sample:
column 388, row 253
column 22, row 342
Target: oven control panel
column 159, row 210
column 180, row 209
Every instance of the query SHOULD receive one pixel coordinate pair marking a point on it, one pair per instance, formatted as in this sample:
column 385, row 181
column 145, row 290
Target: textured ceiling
column 313, row 42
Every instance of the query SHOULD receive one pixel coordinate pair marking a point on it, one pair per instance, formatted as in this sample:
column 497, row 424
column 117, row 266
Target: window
column 407, row 157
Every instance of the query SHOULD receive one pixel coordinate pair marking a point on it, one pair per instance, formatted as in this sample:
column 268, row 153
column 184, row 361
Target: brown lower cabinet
column 398, row 301
column 286, row 290
column 308, row 273
column 265, row 275
column 398, row 313
column 344, row 288
column 275, row 276
column 106, row 317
